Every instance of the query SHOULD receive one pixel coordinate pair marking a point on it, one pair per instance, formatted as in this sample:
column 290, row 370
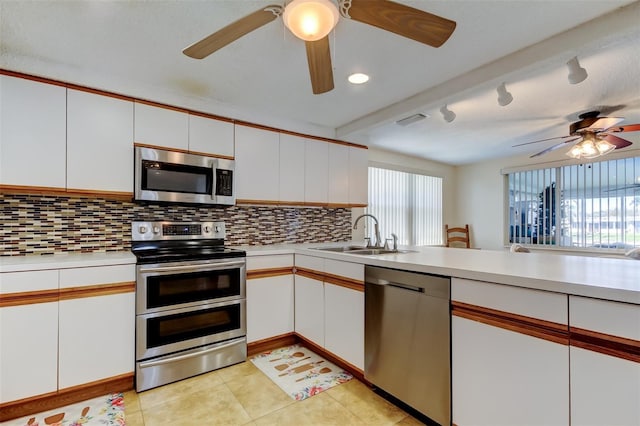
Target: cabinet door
column 209, row 136
column 309, row 309
column 344, row 323
column 28, row 337
column 292, row 168
column 161, row 127
column 500, row 375
column 358, row 176
column 32, row 134
column 96, row 333
column 269, row 307
column 605, row 389
column 338, row 190
column 257, row 164
column 99, row 142
column 316, row 172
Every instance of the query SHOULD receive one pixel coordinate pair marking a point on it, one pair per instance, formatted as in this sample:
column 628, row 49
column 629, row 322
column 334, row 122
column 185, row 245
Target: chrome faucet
column 378, row 243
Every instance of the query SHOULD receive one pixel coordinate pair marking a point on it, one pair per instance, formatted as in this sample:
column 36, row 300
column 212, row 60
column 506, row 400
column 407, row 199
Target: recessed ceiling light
column 358, row 78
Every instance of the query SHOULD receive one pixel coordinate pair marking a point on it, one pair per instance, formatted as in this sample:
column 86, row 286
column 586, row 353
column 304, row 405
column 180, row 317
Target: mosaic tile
column 35, row 225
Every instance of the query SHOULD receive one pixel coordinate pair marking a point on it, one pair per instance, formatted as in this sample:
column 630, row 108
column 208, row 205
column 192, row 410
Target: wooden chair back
column 458, row 236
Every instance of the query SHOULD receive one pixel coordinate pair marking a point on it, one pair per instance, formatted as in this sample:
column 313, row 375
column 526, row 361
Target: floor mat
column 106, row 410
column 300, row 372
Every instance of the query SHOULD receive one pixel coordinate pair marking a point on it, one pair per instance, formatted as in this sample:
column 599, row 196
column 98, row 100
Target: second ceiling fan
column 300, row 16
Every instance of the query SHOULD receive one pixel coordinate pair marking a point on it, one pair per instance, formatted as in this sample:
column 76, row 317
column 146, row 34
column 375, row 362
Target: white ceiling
column 134, row 47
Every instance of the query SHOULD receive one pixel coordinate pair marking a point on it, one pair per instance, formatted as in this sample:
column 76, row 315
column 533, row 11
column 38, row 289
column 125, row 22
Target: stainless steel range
column 190, row 301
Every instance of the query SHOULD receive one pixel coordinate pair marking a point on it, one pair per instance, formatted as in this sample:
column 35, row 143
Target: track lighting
column 504, row 97
column 447, row 114
column 577, row 74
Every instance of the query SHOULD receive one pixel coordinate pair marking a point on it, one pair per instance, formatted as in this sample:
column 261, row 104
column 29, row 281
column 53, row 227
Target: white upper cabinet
column 32, row 133
column 316, row 177
column 99, row 142
column 257, row 164
column 338, row 190
column 161, row 127
column 292, row 167
column 358, row 175
column 209, row 136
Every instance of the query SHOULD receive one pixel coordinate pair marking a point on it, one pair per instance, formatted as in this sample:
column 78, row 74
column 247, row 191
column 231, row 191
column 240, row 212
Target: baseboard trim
column 355, row 371
column 66, row 396
column 259, row 346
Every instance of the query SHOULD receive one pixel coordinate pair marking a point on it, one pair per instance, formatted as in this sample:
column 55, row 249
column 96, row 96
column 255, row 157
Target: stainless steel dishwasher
column 408, row 339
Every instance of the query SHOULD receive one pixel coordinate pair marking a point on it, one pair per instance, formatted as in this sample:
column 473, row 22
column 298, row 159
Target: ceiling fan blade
column 553, row 148
column 403, row 20
column 602, row 123
column 232, row 32
column 618, row 142
column 320, row 68
column 627, row 128
column 542, row 140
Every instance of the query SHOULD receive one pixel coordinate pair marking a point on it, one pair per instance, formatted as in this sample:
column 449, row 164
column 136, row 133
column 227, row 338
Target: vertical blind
column 406, row 204
column 593, row 205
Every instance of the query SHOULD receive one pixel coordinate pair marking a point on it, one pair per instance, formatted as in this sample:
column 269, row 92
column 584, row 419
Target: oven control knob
column 142, row 229
column 207, row 229
column 156, row 229
column 217, row 230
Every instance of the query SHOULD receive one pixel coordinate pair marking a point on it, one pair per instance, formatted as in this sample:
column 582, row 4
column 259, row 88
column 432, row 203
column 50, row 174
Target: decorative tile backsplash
column 32, row 224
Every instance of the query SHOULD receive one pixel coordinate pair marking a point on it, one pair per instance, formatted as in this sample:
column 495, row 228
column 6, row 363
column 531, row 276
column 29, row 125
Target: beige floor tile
column 239, row 370
column 131, row 402
column 364, row 403
column 407, row 421
column 133, row 419
column 319, row 410
column 215, row 406
column 162, row 394
column 258, row 394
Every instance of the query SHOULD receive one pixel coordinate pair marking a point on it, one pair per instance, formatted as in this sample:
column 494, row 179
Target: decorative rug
column 300, row 372
column 105, row 410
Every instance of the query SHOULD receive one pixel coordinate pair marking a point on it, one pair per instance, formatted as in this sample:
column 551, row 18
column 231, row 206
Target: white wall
column 432, row 168
column 480, row 194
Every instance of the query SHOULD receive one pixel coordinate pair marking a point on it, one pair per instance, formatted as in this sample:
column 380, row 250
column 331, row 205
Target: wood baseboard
column 355, row 371
column 255, row 348
column 66, row 396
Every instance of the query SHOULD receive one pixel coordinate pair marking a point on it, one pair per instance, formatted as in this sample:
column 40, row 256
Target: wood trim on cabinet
column 271, row 343
column 33, row 190
column 28, row 298
column 607, row 344
column 97, row 290
column 109, row 195
column 260, row 202
column 66, row 396
column 355, row 371
column 542, row 329
column 171, row 107
column 309, row 273
column 344, row 282
column 182, row 151
column 271, row 272
column 62, row 192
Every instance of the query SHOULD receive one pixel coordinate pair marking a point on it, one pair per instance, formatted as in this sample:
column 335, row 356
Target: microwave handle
column 214, row 178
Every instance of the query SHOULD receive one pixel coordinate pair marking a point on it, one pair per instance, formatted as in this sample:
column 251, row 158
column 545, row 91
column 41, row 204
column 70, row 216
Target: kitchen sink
column 364, row 251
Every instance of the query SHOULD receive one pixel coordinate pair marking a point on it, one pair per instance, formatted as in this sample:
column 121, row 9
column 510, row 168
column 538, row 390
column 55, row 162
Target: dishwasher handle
column 397, row 285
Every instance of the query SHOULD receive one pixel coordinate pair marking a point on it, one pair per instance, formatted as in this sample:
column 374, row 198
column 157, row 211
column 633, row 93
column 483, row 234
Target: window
column 407, row 204
column 594, row 205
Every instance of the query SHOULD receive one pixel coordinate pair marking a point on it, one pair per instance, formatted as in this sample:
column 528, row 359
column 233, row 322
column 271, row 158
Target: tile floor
column 243, row 395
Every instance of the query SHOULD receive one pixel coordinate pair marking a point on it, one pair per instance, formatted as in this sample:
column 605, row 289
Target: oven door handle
column 163, row 361
column 205, row 267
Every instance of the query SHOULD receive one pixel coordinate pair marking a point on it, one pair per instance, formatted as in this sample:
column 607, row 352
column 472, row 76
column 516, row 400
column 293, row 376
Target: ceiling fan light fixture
column 591, row 147
column 504, row 97
column 311, row 20
column 447, row 114
column 577, row 74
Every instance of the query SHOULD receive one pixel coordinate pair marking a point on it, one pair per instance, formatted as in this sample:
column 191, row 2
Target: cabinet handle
column 205, row 267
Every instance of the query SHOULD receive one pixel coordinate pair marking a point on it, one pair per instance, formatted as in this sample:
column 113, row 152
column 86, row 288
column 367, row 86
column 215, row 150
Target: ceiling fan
column 595, row 134
column 298, row 16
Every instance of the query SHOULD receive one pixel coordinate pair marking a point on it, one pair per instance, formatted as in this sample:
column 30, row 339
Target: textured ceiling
column 134, row 47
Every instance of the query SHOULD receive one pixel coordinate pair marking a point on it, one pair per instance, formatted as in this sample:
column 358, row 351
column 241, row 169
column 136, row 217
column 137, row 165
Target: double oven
column 190, row 301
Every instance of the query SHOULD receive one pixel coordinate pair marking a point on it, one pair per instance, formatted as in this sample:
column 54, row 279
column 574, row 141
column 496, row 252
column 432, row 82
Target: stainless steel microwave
column 169, row 176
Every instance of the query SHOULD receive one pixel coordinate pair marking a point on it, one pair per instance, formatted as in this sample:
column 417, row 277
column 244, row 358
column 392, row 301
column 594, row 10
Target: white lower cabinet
column 28, row 337
column 310, row 309
column 504, row 376
column 270, row 299
column 344, row 323
column 96, row 334
column 605, row 389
